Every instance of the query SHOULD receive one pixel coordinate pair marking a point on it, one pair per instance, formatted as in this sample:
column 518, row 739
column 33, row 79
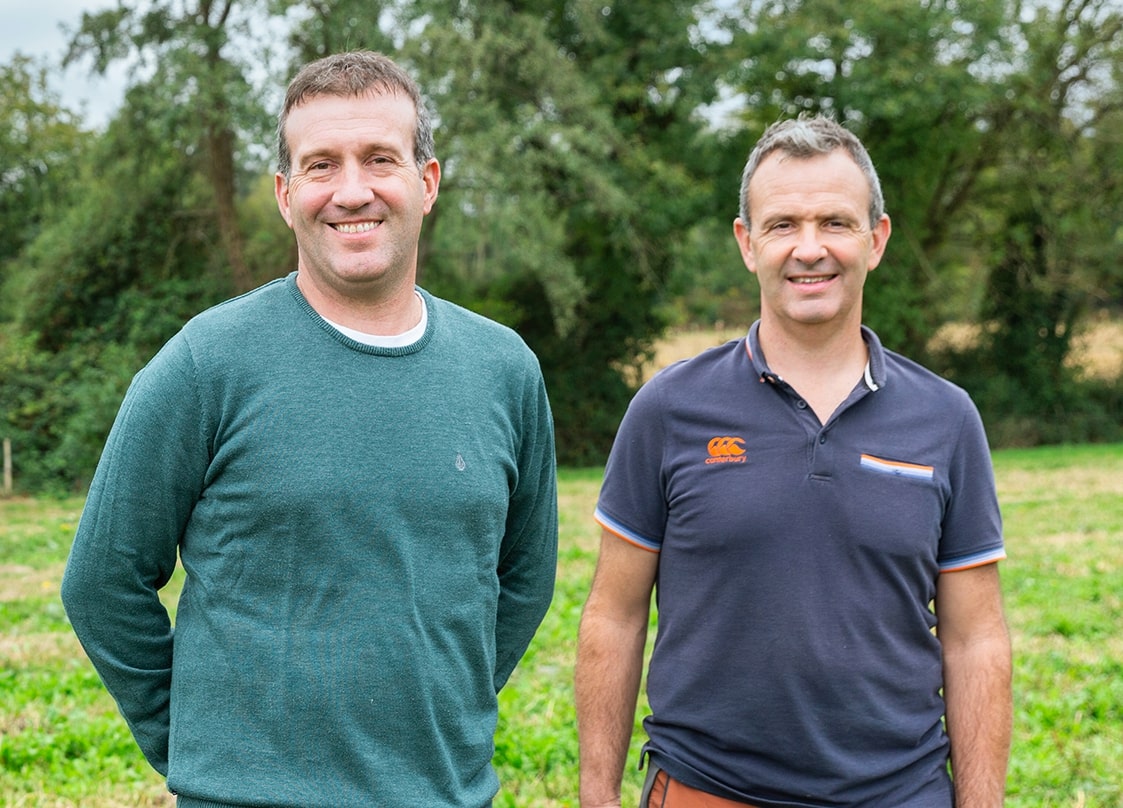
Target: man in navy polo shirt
column 818, row 517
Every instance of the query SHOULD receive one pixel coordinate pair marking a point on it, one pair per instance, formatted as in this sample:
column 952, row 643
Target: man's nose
column 809, row 246
column 354, row 189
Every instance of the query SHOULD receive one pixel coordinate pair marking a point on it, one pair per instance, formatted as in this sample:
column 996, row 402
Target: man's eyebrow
column 336, row 152
column 315, row 155
column 382, row 147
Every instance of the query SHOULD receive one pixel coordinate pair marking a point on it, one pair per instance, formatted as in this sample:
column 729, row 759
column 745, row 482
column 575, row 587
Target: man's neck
column 386, row 316
column 822, row 365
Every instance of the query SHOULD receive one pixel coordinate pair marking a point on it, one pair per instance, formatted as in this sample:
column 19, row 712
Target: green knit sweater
column 370, row 540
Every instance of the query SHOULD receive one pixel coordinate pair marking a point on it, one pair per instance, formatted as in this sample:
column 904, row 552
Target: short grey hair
column 805, row 137
column 352, row 74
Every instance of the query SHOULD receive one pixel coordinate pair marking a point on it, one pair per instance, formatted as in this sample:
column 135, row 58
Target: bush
column 57, row 406
column 1019, row 412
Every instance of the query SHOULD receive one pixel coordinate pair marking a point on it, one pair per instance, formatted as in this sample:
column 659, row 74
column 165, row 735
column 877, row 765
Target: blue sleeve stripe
column 974, row 560
column 630, row 536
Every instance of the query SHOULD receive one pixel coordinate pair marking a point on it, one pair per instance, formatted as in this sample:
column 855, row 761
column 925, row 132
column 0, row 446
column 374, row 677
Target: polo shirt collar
column 875, row 375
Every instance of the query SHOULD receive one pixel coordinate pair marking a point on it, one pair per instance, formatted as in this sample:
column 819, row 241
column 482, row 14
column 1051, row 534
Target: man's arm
column 610, row 649
column 977, row 671
column 124, row 552
column 529, row 552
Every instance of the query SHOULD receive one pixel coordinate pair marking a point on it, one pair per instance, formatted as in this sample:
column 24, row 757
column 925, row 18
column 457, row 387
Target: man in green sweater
column 359, row 480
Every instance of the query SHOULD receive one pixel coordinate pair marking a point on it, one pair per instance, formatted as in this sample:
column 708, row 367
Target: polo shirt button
column 822, row 439
column 801, row 404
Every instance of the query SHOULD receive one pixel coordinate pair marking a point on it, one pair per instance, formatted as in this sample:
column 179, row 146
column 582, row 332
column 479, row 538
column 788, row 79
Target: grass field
column 63, row 744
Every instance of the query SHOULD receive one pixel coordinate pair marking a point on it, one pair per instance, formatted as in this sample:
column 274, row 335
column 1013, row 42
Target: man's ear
column 281, row 192
column 431, row 176
column 879, row 237
column 741, row 234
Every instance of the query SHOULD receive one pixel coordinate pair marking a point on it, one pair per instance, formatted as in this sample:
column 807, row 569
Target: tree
column 107, row 280
column 1056, row 189
column 587, row 194
column 185, row 46
column 922, row 84
column 322, row 27
column 566, row 131
column 602, row 148
column 39, row 144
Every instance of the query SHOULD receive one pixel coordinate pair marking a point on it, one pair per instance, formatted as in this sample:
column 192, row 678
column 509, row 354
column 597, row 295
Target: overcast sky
column 32, row 27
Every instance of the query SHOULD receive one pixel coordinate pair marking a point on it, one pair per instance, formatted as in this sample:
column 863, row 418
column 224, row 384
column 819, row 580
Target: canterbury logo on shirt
column 725, row 449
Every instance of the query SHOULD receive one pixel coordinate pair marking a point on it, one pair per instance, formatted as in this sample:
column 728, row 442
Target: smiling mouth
column 810, row 279
column 355, row 227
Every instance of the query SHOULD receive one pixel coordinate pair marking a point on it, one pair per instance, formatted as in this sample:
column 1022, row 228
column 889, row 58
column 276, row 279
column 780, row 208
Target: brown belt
column 667, row 792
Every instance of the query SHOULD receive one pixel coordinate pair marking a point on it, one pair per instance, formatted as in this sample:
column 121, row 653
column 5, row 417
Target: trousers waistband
column 660, row 790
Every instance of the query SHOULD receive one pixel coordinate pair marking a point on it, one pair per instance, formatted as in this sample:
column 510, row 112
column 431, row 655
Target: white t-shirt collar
column 388, row 340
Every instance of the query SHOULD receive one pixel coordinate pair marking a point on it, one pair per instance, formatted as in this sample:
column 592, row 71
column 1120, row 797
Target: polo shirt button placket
column 822, row 463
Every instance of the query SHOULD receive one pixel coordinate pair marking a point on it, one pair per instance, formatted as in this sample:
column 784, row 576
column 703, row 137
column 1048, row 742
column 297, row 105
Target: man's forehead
column 834, row 178
column 828, row 167
column 348, row 116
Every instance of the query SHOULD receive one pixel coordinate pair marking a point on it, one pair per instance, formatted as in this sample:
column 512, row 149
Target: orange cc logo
column 726, row 447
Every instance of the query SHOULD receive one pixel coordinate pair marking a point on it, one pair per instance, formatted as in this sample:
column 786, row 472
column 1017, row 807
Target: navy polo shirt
column 795, row 663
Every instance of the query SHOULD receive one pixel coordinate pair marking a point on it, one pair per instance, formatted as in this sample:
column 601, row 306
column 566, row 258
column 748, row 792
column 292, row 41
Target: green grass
column 1063, row 582
column 63, row 744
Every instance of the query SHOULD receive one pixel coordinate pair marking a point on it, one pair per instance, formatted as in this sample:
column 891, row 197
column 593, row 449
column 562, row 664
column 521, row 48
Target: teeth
column 809, row 280
column 362, row 227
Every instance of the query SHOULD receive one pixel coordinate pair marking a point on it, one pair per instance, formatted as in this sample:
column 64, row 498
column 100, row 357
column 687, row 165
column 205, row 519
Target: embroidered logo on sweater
column 726, row 449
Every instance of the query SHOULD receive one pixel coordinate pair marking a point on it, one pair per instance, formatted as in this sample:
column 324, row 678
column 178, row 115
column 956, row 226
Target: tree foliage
column 570, row 174
column 1052, row 246
column 106, row 281
column 990, row 125
column 184, row 48
column 922, row 85
column 39, row 143
column 591, row 155
column 566, row 132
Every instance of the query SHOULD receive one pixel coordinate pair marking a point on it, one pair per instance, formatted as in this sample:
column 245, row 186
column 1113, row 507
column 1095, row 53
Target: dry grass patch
column 686, row 343
column 105, row 797
column 1057, row 645
column 1097, row 351
column 1029, row 484
column 38, row 648
column 20, row 581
